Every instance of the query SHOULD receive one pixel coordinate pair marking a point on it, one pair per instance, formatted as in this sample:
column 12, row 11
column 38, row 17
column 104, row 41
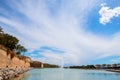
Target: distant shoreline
column 110, row 70
column 113, row 70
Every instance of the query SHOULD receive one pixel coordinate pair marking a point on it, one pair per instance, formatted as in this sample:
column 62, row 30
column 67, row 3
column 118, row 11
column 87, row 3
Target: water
column 68, row 74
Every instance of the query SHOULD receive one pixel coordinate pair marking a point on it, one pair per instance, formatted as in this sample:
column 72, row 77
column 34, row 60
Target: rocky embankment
column 12, row 67
column 8, row 73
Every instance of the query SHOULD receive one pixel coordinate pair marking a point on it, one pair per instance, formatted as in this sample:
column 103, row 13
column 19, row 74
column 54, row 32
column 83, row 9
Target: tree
column 108, row 66
column 11, row 42
column 103, row 66
column 98, row 66
column 1, row 36
column 114, row 65
column 1, row 30
column 20, row 49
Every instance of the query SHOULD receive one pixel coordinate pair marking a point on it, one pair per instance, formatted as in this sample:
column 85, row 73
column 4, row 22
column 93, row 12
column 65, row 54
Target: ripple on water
column 68, row 74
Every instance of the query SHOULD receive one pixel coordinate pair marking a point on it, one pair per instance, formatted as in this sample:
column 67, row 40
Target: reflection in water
column 21, row 77
column 68, row 74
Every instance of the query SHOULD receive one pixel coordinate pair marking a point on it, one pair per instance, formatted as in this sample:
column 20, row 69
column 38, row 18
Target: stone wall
column 5, row 60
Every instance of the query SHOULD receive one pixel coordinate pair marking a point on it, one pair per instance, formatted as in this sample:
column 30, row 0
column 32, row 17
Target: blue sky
column 69, row 32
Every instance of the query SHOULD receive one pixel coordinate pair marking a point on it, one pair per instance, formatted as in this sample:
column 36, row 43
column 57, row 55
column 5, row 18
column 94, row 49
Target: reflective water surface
column 68, row 74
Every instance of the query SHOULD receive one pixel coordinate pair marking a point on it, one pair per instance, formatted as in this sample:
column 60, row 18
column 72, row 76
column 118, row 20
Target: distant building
column 42, row 65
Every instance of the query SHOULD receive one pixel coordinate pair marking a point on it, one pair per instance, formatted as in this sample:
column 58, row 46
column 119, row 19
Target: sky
column 65, row 32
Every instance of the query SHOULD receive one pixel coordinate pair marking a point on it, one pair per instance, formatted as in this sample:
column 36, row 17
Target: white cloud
column 117, row 60
column 103, row 4
column 64, row 30
column 107, row 14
